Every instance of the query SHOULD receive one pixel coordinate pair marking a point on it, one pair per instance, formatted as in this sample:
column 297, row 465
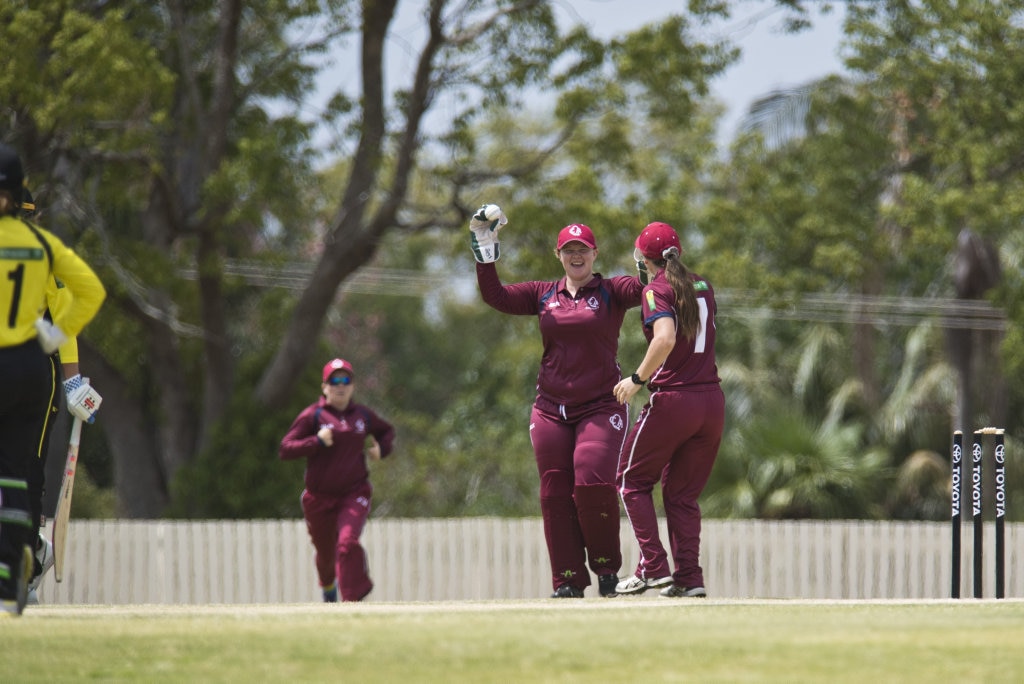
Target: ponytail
column 678, row 276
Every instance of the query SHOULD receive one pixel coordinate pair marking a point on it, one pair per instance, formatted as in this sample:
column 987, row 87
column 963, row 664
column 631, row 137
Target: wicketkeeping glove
column 83, row 400
column 50, row 336
column 483, row 228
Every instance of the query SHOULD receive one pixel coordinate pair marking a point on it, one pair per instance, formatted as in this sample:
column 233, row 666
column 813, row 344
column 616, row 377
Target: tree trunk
column 135, row 444
column 976, row 270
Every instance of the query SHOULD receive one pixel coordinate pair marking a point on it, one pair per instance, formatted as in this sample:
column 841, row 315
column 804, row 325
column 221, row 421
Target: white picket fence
column 271, row 561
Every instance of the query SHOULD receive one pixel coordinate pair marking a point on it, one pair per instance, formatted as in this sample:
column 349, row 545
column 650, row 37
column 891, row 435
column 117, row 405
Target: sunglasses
column 339, row 380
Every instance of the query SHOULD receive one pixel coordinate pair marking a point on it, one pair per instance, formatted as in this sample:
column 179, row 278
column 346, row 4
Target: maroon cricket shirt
column 339, row 468
column 691, row 362
column 580, row 334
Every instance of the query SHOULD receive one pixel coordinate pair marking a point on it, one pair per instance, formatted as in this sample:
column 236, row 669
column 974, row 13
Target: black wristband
column 636, row 380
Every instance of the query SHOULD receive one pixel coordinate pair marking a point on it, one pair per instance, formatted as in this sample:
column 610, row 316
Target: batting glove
column 50, row 336
column 484, row 227
column 83, row 400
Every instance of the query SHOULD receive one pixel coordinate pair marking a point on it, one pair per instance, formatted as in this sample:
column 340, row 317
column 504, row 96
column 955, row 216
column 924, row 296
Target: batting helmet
column 656, row 239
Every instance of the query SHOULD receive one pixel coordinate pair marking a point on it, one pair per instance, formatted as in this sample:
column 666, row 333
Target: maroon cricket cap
column 656, row 238
column 576, row 232
column 336, row 365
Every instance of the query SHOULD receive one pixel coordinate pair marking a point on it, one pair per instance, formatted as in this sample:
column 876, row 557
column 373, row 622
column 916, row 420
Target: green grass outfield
column 625, row 639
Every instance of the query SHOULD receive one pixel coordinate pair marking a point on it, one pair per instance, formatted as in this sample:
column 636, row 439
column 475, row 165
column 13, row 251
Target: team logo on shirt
column 650, row 299
column 593, row 304
column 700, row 285
column 616, row 421
column 360, row 426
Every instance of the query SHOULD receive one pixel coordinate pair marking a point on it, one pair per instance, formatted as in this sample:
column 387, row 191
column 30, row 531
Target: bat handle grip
column 76, row 431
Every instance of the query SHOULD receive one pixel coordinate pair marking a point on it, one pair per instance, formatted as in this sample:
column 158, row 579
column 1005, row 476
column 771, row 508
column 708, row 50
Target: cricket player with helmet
column 576, row 426
column 676, row 437
column 31, row 257
column 82, row 400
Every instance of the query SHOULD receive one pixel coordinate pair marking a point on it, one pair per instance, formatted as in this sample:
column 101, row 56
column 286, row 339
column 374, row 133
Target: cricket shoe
column 606, row 585
column 638, row 585
column 684, row 592
column 567, row 591
column 42, row 565
column 331, row 593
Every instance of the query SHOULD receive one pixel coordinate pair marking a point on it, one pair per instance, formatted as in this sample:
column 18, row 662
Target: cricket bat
column 60, row 521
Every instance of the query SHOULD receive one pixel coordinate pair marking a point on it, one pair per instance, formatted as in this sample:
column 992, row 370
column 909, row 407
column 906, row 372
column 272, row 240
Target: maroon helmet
column 656, row 239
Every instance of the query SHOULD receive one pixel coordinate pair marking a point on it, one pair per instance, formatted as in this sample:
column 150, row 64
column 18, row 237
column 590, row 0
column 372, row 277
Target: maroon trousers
column 675, row 440
column 335, row 524
column 577, row 451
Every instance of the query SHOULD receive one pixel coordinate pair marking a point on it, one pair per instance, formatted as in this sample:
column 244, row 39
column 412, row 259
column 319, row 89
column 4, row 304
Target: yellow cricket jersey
column 30, row 258
column 58, row 300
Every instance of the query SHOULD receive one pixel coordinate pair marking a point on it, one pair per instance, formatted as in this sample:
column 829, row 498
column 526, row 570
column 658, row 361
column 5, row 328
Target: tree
column 864, row 191
column 959, row 164
column 154, row 123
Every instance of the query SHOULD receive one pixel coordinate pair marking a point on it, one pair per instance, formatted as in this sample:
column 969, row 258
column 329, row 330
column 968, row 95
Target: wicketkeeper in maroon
column 336, row 436
column 676, row 437
column 576, row 426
